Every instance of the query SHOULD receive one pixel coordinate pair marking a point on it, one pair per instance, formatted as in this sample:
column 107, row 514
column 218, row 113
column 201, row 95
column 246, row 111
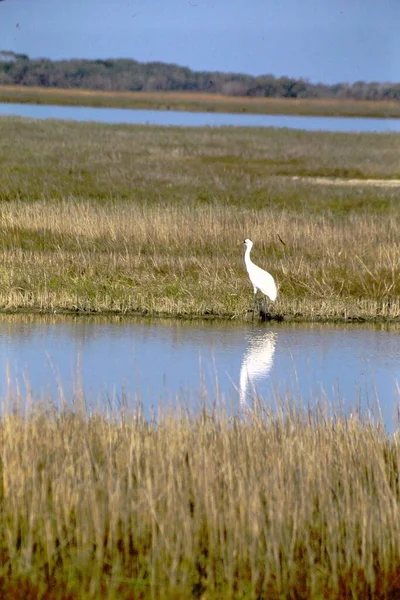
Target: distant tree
column 129, row 74
column 234, row 88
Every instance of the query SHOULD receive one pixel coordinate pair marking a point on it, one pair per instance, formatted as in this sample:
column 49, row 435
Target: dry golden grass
column 156, row 260
column 282, row 505
column 204, row 102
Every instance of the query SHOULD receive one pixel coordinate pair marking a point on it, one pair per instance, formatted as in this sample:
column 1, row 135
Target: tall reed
column 279, row 504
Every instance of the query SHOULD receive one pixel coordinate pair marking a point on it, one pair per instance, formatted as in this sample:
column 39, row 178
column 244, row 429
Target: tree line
column 131, row 75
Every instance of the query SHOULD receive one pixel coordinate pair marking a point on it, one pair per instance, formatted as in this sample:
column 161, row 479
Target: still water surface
column 197, row 119
column 156, row 362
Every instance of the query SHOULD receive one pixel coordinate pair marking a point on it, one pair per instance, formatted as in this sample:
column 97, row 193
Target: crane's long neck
column 247, row 258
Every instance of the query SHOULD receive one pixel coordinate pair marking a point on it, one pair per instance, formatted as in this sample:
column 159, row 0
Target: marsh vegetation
column 279, row 505
column 148, row 220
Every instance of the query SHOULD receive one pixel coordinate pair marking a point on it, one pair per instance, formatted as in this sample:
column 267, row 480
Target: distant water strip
column 173, row 118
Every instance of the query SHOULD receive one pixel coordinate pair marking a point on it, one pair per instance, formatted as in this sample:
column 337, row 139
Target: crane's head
column 248, row 243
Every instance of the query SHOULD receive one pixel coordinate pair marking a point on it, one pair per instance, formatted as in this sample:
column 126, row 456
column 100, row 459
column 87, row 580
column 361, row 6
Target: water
column 156, row 362
column 198, row 119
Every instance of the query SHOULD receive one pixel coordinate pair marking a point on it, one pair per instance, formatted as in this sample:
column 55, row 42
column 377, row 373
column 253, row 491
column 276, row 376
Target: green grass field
column 200, row 102
column 147, row 220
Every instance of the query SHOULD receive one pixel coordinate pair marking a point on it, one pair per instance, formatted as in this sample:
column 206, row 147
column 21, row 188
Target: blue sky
column 322, row 40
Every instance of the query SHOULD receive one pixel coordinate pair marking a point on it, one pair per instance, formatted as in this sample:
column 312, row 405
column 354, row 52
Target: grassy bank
column 198, row 506
column 200, row 102
column 148, row 220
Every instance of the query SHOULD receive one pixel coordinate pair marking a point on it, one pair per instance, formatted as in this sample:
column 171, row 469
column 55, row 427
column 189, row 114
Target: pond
column 119, row 361
column 198, row 119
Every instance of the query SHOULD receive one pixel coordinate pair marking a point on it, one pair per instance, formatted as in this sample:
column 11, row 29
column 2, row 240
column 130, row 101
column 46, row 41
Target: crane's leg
column 265, row 308
column 254, row 302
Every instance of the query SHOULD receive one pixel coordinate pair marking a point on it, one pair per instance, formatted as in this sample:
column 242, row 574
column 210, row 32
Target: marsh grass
column 199, row 102
column 281, row 504
column 131, row 259
column 150, row 220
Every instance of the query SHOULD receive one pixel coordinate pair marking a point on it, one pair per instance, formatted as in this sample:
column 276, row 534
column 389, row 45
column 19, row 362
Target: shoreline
column 199, row 102
column 207, row 316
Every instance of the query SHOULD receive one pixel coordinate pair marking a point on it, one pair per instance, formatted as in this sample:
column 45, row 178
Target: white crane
column 261, row 280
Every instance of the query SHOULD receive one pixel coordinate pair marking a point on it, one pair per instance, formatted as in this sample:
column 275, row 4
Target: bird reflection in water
column 256, row 365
